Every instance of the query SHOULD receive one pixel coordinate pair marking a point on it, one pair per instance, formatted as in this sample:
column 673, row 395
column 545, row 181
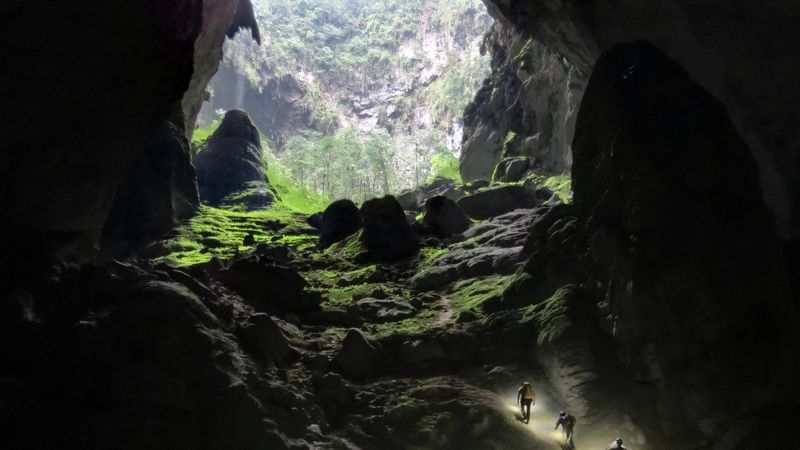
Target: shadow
column 520, row 419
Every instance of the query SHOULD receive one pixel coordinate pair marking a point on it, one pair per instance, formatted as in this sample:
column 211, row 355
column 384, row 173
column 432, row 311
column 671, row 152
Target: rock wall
column 96, row 80
column 742, row 52
column 526, row 108
column 678, row 247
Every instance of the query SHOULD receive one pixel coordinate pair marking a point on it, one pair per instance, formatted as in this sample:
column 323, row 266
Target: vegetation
column 360, row 166
column 220, row 232
column 340, row 50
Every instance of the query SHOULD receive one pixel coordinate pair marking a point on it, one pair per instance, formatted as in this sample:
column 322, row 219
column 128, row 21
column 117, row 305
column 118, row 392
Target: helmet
column 619, row 441
column 526, row 383
column 562, row 413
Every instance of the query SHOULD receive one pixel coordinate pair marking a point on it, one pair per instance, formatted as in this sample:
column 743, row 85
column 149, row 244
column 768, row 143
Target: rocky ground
column 377, row 341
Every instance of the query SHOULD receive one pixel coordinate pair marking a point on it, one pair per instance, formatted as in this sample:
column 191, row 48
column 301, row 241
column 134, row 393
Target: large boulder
column 386, row 236
column 263, row 337
column 511, row 169
column 443, row 217
column 496, row 200
column 268, row 286
column 356, row 356
column 411, row 199
column 339, row 220
column 230, row 158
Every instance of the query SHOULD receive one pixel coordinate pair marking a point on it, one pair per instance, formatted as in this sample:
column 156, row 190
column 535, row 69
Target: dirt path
column 446, row 311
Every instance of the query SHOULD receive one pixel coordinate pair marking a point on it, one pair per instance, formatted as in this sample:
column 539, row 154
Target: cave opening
column 282, row 275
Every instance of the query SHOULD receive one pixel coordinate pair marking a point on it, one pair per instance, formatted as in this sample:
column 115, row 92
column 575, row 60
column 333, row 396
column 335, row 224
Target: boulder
column 511, row 169
column 443, row 217
column 386, row 236
column 438, row 184
column 315, row 220
column 267, row 286
column 383, row 310
column 496, row 200
column 355, row 356
column 339, row 220
column 230, row 158
column 263, row 337
column 411, row 200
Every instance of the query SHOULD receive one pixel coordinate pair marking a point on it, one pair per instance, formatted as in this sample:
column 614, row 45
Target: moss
column 551, row 316
column 471, row 293
column 561, row 185
column 421, row 323
column 520, row 60
column 350, row 248
column 221, row 231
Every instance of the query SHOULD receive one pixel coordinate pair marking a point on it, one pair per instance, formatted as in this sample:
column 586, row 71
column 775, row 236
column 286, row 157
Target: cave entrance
column 355, row 98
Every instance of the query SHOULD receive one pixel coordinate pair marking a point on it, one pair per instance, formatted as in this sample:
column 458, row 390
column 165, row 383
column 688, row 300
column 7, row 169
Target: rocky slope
column 525, row 110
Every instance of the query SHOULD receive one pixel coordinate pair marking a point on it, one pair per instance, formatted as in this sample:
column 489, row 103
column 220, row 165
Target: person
column 617, row 445
column 567, row 424
column 525, row 399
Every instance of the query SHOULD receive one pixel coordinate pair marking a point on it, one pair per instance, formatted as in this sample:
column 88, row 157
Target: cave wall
column 527, row 107
column 679, row 246
column 742, row 52
column 93, row 83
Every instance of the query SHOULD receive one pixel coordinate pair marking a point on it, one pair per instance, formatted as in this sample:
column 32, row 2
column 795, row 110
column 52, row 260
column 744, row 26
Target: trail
column 445, row 307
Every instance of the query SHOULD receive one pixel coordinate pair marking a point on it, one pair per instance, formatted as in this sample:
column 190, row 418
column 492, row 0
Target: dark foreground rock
column 231, row 158
column 270, row 287
column 339, row 220
column 443, row 217
column 386, row 236
column 495, row 201
column 356, row 355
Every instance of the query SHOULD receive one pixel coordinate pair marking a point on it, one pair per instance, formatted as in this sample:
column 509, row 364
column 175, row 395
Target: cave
column 599, row 200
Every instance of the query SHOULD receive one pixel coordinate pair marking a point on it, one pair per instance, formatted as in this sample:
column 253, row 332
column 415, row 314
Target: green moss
column 199, row 135
column 421, row 323
column 221, row 231
column 551, row 316
column 520, row 60
column 561, row 185
column 471, row 293
column 292, row 196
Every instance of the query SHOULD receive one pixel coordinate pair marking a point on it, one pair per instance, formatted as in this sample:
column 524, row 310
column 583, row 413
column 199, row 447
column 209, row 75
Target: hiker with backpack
column 567, row 424
column 525, row 399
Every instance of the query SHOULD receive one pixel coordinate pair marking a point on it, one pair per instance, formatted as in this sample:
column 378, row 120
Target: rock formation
column 741, row 52
column 386, row 236
column 443, row 217
column 340, row 219
column 526, row 108
column 231, row 158
column 112, row 74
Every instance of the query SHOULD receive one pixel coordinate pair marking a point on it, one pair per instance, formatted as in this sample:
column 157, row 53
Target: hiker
column 567, row 424
column 617, row 445
column 525, row 399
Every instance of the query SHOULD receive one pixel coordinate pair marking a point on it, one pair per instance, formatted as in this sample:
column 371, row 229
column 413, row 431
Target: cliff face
column 741, row 52
column 99, row 80
column 398, row 91
column 526, row 108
